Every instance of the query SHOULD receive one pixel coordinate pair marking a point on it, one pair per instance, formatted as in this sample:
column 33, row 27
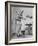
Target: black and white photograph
column 20, row 22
